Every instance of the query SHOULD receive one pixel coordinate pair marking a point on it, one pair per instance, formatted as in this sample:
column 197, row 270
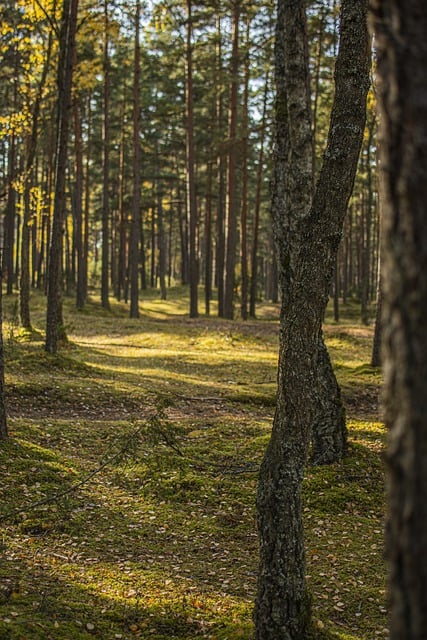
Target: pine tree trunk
column 402, row 52
column 3, row 416
column 191, row 186
column 54, row 321
column 232, row 199
column 105, row 237
column 136, row 196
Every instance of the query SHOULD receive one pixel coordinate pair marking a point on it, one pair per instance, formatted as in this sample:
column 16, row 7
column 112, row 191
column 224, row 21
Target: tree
column 136, row 163
column 232, row 197
column 402, row 50
column 3, row 416
column 307, row 230
column 190, row 174
column 54, row 322
column 105, row 161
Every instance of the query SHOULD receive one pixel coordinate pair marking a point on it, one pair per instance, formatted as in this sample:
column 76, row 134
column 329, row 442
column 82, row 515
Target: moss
column 160, row 539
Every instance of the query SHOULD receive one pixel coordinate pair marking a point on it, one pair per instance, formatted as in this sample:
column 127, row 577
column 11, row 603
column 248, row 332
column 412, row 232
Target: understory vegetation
column 129, row 480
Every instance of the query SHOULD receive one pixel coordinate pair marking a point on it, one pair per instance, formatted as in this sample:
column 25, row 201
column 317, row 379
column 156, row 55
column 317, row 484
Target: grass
column 152, row 430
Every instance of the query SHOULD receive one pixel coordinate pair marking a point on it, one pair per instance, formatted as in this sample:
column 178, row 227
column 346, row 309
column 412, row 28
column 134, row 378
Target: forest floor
column 129, row 480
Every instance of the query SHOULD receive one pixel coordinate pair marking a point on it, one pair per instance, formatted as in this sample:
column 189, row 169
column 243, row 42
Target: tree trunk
column 3, row 415
column 307, row 231
column 402, row 51
column 136, row 198
column 244, row 205
column 191, row 185
column 255, row 232
column 105, row 164
column 54, row 321
column 232, row 200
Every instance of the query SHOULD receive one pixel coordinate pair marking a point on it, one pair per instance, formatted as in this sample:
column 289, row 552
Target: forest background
column 166, row 183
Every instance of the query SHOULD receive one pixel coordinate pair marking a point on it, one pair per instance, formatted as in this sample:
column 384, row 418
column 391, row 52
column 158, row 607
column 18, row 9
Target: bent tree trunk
column 307, row 232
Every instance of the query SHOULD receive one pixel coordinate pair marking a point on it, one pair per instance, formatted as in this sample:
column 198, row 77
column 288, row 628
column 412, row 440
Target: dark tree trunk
column 78, row 207
column 307, row 232
column 105, row 164
column 244, row 205
column 376, row 344
column 208, row 243
column 329, row 438
column 191, row 185
column 54, row 321
column 232, row 199
column 24, row 285
column 3, row 415
column 255, row 231
column 401, row 29
column 136, row 198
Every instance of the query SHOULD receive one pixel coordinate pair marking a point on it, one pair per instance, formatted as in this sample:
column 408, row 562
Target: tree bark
column 191, row 186
column 400, row 30
column 232, row 200
column 3, row 416
column 105, row 165
column 54, row 321
column 307, row 232
column 136, row 162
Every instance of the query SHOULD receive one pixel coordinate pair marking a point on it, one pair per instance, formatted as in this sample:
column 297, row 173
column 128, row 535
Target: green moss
column 159, row 540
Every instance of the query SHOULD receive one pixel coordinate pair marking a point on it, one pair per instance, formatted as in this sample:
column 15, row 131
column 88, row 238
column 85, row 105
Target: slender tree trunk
column 24, row 288
column 3, row 416
column 402, row 52
column 86, row 208
column 9, row 219
column 208, row 243
column 221, row 168
column 78, row 206
column 255, row 232
column 136, row 199
column 244, row 205
column 232, row 199
column 105, row 164
column 191, row 185
column 54, row 321
column 161, row 241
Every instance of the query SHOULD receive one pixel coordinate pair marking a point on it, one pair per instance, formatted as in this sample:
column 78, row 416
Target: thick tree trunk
column 307, row 232
column 401, row 29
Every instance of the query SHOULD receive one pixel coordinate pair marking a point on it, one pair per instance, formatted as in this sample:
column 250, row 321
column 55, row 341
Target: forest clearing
column 151, row 431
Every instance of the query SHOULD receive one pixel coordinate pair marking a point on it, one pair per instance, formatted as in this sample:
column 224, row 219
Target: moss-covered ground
column 128, row 482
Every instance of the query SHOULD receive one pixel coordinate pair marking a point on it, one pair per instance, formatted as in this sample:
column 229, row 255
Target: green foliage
column 129, row 481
